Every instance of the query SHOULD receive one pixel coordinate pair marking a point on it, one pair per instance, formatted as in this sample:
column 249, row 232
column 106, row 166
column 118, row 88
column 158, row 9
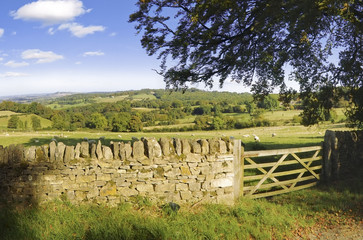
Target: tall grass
column 274, row 218
column 248, row 219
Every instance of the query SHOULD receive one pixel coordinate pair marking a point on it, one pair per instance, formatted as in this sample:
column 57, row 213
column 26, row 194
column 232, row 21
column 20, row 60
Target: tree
column 217, row 123
column 78, row 120
column 251, row 41
column 202, row 123
column 36, row 123
column 268, row 103
column 250, row 107
column 120, row 122
column 60, row 121
column 97, row 121
column 13, row 122
column 135, row 124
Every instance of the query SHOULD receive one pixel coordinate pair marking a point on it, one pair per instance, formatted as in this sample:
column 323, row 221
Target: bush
column 296, row 119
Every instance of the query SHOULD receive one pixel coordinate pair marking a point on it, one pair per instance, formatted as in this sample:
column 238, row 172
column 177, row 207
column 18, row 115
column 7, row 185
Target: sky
column 51, row 46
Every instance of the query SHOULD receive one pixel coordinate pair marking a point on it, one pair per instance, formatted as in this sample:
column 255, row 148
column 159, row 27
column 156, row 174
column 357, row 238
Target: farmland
column 286, row 136
column 289, row 216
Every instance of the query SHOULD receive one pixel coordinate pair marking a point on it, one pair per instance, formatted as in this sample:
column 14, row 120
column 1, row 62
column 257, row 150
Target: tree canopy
column 254, row 41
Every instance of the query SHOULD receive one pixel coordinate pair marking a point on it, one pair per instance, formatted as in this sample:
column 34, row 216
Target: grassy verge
column 257, row 219
column 281, row 217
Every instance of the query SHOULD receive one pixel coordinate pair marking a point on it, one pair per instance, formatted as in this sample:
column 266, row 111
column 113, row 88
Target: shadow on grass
column 337, row 201
column 273, row 145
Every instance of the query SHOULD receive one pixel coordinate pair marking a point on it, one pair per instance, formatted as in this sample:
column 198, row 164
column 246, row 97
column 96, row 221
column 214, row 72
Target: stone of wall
column 342, row 154
column 178, row 170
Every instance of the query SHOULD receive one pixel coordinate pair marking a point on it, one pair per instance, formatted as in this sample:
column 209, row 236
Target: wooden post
column 330, row 169
column 238, row 169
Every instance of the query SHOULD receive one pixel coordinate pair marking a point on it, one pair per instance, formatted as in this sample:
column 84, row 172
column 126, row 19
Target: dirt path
column 351, row 231
column 343, row 232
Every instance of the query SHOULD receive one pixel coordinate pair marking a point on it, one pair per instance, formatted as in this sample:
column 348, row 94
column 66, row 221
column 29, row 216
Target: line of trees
column 166, row 108
column 15, row 122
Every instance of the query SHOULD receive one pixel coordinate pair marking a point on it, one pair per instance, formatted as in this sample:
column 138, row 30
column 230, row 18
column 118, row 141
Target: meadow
column 296, row 215
column 287, row 134
column 5, row 116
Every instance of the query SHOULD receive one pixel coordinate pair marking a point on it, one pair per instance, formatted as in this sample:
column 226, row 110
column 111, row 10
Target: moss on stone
column 159, row 172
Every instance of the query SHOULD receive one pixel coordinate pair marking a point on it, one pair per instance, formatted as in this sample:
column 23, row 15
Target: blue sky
column 76, row 46
column 72, row 45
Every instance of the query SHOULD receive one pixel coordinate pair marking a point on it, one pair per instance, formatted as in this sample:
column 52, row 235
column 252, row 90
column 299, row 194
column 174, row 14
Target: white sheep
column 257, row 139
column 273, row 134
column 246, row 135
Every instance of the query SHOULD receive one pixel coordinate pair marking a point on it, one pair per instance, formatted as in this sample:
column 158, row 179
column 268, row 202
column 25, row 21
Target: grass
column 5, row 116
column 108, row 99
column 286, row 136
column 143, row 97
column 7, row 113
column 280, row 217
column 57, row 220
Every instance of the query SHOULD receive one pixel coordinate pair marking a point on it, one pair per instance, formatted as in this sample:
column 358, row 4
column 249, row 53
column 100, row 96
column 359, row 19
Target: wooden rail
column 289, row 173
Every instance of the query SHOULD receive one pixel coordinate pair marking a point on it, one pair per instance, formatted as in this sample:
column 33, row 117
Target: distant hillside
column 28, row 98
column 188, row 110
column 191, row 95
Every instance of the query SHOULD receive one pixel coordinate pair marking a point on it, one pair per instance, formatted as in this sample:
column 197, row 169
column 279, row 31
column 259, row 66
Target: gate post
column 330, row 171
column 237, row 168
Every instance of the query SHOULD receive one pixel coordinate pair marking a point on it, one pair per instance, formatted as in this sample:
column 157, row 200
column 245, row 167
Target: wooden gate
column 272, row 172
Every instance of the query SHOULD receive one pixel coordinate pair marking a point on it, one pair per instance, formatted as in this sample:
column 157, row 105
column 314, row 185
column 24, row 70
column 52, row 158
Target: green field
column 5, row 116
column 7, row 113
column 106, row 99
column 286, row 136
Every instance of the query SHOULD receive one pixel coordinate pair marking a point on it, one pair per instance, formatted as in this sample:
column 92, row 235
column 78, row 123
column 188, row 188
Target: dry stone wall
column 343, row 154
column 178, row 170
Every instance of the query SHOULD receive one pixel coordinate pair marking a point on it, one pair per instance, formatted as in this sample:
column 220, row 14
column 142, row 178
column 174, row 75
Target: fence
column 179, row 170
column 272, row 172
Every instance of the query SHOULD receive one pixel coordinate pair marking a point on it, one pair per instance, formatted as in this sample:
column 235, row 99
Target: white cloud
column 78, row 63
column 113, row 34
column 50, row 12
column 80, row 31
column 1, row 32
column 14, row 64
column 51, row 31
column 13, row 74
column 41, row 56
column 98, row 53
column 1, row 59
